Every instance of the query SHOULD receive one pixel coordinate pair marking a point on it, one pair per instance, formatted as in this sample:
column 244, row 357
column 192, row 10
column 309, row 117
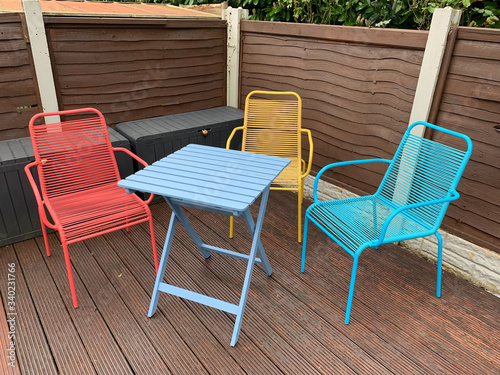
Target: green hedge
column 407, row 14
column 403, row 14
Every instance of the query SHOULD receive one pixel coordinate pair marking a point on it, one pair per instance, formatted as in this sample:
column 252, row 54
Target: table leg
column 251, row 263
column 189, row 228
column 163, row 264
column 260, row 249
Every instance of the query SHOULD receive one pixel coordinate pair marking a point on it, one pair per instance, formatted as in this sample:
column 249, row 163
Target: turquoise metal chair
column 410, row 202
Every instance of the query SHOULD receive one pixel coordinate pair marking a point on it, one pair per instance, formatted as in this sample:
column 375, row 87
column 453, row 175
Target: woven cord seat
column 102, row 210
column 357, row 221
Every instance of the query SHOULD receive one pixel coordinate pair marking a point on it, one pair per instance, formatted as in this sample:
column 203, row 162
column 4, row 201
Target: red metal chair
column 78, row 178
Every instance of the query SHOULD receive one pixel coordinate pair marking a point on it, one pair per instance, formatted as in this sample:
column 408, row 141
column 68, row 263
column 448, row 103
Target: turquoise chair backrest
column 424, row 170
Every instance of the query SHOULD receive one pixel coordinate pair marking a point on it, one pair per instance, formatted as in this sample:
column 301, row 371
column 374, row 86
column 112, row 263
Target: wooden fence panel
column 471, row 104
column 133, row 69
column 18, row 91
column 357, row 86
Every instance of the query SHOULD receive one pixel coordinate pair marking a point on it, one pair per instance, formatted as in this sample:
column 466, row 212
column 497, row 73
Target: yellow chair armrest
column 228, row 143
column 311, row 150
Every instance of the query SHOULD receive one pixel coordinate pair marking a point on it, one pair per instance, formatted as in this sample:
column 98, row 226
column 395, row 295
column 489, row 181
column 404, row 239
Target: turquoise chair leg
column 351, row 290
column 375, row 221
column 304, row 243
column 439, row 265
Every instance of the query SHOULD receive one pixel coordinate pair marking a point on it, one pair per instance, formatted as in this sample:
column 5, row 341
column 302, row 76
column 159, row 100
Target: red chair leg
column 70, row 274
column 153, row 242
column 45, row 238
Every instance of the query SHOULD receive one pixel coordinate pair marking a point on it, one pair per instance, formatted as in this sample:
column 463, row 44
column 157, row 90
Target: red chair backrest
column 75, row 155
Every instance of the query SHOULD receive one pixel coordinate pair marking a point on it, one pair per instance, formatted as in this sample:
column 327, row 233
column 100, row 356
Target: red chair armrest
column 38, row 197
column 134, row 156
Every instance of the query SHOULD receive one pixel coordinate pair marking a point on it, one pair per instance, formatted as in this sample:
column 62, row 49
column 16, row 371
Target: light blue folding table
column 216, row 180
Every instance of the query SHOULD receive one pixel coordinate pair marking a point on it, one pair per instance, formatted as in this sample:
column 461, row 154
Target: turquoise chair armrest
column 339, row 164
column 454, row 196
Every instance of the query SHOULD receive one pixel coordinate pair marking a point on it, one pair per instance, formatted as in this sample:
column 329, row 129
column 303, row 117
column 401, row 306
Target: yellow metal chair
column 272, row 126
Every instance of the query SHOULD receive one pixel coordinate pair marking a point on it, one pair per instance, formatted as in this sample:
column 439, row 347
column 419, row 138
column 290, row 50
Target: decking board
column 419, row 315
column 195, row 334
column 140, row 353
column 93, row 330
column 249, row 356
column 384, row 352
column 322, row 350
column 66, row 345
column 32, row 350
column 169, row 345
column 227, row 288
column 8, row 361
column 293, row 322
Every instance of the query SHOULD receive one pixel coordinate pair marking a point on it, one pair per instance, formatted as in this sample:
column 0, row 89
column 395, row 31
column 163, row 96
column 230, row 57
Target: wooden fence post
column 442, row 21
column 41, row 57
column 233, row 17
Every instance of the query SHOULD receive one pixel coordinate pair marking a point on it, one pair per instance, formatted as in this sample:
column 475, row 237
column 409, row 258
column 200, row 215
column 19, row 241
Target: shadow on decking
column 293, row 322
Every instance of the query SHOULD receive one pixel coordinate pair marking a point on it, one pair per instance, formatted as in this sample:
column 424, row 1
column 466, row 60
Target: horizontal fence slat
column 169, row 50
column 122, row 114
column 132, row 78
column 167, row 23
column 159, row 96
column 125, row 35
column 148, row 67
column 410, row 39
column 478, row 34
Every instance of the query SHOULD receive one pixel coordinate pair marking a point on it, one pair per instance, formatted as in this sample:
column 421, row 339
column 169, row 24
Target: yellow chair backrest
column 272, row 126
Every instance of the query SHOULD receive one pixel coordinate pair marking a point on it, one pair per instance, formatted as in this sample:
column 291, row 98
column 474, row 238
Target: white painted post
column 233, row 17
column 442, row 21
column 41, row 58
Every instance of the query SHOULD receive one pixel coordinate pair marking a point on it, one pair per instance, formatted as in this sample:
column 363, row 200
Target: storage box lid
column 180, row 123
column 117, row 139
column 16, row 151
column 20, row 151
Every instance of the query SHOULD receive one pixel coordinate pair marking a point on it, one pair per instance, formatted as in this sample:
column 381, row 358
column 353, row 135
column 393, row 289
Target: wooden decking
column 293, row 322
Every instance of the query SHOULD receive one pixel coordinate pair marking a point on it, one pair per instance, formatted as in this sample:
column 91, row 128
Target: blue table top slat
column 192, row 177
column 183, row 186
column 238, row 155
column 220, row 164
column 189, row 198
column 227, row 179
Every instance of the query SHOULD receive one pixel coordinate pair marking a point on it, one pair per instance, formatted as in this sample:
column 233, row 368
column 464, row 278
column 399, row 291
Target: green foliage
column 405, row 14
column 408, row 14
column 177, row 2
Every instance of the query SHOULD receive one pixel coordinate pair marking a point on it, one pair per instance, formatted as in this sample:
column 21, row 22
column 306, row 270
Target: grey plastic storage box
column 19, row 218
column 153, row 138
column 124, row 161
